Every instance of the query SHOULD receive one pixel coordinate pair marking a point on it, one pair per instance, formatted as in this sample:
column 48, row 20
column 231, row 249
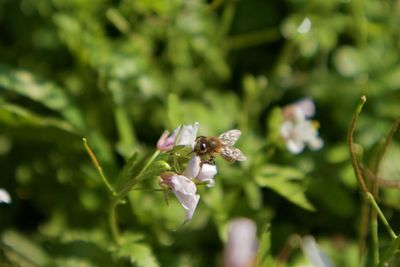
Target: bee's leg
column 210, row 161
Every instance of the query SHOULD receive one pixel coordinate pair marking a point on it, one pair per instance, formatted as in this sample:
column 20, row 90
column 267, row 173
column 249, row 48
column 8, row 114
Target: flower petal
column 193, row 167
column 4, row 196
column 184, row 190
column 241, row 248
column 206, row 174
column 187, row 135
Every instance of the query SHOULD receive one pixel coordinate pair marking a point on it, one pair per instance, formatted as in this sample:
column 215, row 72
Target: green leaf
column 389, row 252
column 290, row 190
column 137, row 253
column 16, row 116
column 274, row 123
column 264, row 254
column 281, row 172
column 133, row 171
column 44, row 92
column 22, row 251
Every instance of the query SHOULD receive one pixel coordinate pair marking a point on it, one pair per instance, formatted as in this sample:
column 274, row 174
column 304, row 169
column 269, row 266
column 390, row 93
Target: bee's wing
column 230, row 137
column 232, row 154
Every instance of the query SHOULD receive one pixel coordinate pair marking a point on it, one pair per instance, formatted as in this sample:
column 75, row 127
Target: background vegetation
column 120, row 72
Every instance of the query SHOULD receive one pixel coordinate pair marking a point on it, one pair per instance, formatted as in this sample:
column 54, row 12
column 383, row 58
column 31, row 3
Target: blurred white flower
column 184, row 135
column 184, row 190
column 297, row 129
column 314, row 254
column 201, row 172
column 241, row 248
column 4, row 196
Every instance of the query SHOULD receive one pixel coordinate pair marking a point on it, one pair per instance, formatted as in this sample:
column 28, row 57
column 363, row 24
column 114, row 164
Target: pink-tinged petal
column 4, row 196
column 184, row 190
column 187, row 135
column 165, row 143
column 307, row 106
column 241, row 248
column 299, row 110
column 193, row 167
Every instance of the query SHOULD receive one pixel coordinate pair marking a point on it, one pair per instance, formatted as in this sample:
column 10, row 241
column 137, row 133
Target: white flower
column 314, row 254
column 187, row 135
column 4, row 196
column 241, row 248
column 297, row 130
column 201, row 172
column 184, row 135
column 184, row 190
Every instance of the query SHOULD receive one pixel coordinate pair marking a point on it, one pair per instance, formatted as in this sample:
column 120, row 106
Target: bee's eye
column 203, row 147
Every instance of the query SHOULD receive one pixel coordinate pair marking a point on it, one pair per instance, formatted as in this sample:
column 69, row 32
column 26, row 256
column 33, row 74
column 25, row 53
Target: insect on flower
column 207, row 147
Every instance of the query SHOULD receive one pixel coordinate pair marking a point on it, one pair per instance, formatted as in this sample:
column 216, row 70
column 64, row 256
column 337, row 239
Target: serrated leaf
column 138, row 254
column 290, row 190
column 134, row 171
column 22, row 251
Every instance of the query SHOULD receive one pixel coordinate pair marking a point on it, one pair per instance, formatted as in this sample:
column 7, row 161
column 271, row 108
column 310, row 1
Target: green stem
column 363, row 232
column 360, row 21
column 371, row 199
column 98, row 167
column 113, row 220
column 350, row 140
column 227, row 18
column 375, row 238
column 252, row 39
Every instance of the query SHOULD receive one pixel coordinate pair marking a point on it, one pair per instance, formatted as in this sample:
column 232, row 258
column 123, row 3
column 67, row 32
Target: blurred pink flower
column 241, row 248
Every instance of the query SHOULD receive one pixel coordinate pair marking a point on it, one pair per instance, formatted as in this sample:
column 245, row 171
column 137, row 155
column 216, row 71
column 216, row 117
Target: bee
column 223, row 145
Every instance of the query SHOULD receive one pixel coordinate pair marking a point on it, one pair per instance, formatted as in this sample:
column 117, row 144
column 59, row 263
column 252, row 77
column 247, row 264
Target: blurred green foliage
column 120, row 72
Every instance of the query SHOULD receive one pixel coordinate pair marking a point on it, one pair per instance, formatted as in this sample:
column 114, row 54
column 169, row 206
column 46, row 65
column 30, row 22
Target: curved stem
column 350, row 140
column 113, row 220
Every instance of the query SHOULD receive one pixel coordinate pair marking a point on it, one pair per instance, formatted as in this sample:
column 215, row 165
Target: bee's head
column 201, row 145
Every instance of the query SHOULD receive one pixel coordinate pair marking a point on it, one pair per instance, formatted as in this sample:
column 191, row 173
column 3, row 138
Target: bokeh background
column 119, row 72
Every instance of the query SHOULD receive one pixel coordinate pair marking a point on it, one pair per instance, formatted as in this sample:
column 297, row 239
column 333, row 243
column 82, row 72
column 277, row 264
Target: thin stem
column 227, row 18
column 371, row 200
column 360, row 21
column 98, row 167
column 363, row 232
column 350, row 140
column 113, row 220
column 252, row 39
column 149, row 162
column 374, row 236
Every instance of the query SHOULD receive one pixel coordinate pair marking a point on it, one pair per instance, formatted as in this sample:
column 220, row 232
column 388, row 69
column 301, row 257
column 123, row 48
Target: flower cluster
column 297, row 129
column 184, row 185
